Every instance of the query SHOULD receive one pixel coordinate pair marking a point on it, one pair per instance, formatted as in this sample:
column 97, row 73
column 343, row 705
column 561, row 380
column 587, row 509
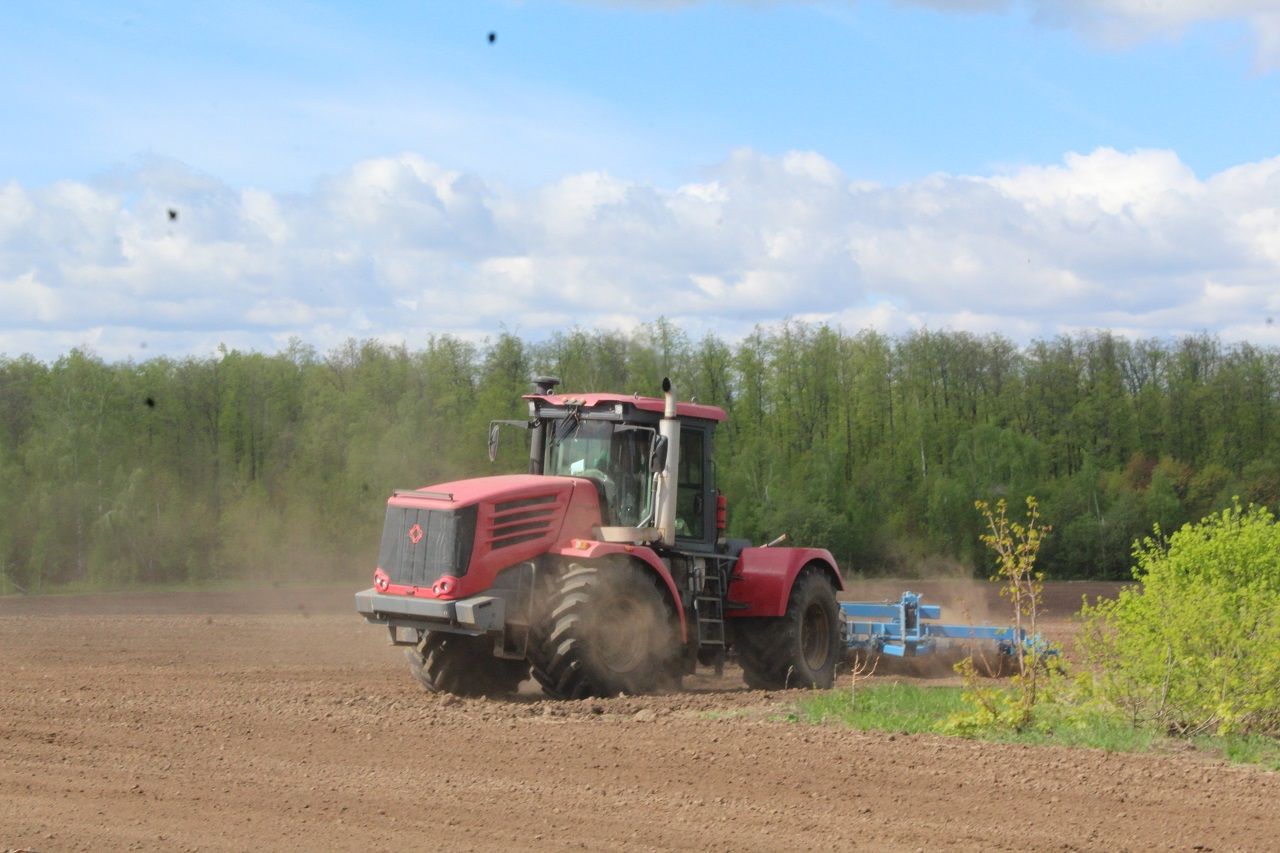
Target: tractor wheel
column 464, row 666
column 798, row 649
column 606, row 629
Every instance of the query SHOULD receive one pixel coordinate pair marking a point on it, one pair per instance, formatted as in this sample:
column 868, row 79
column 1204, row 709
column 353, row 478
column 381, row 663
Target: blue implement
column 907, row 628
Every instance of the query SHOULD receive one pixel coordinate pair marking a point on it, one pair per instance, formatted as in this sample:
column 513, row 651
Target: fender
column 591, row 549
column 763, row 577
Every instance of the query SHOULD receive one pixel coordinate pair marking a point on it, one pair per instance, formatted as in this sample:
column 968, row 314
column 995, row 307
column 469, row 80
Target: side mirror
column 494, row 428
column 658, row 454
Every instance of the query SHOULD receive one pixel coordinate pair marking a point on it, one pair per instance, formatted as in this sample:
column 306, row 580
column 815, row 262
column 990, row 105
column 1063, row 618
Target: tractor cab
column 649, row 458
column 615, row 456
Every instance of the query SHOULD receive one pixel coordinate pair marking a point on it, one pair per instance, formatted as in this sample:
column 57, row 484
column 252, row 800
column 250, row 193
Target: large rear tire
column 606, row 629
column 463, row 666
column 798, row 649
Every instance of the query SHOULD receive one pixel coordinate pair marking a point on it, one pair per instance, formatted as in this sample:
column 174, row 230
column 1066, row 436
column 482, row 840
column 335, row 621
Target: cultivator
column 908, row 628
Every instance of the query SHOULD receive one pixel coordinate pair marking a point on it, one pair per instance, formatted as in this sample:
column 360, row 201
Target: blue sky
column 276, row 96
column 584, row 150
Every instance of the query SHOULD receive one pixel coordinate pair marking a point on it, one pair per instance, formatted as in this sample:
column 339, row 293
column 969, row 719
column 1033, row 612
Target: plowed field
column 280, row 720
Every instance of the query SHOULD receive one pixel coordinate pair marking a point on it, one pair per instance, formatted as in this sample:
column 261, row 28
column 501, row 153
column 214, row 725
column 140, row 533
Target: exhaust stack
column 538, row 446
column 669, row 427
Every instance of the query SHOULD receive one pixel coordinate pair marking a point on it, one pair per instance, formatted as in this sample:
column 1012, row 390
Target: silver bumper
column 480, row 614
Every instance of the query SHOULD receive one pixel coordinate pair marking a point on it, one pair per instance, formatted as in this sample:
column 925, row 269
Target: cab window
column 691, row 485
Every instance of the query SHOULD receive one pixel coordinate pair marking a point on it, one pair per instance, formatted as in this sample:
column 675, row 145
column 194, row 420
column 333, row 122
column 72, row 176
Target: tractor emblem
column 415, row 534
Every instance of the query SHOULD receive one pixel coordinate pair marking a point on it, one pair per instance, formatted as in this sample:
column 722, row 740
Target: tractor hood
column 450, row 540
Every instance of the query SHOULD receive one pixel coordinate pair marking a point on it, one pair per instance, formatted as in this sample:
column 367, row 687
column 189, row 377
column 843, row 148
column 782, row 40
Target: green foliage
column 869, row 445
column 1015, row 547
column 1196, row 647
column 1245, row 749
column 882, row 707
column 913, row 709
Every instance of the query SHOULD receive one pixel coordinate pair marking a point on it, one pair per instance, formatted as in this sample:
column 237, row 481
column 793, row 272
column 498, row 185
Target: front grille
column 519, row 521
column 442, row 548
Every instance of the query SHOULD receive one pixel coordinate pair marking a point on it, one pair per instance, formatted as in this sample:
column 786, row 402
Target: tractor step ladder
column 708, row 607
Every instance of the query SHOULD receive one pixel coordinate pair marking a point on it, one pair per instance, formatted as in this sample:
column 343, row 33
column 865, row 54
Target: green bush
column 1196, row 647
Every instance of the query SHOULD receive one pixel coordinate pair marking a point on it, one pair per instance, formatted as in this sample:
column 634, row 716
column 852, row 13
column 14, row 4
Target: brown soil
column 280, row 720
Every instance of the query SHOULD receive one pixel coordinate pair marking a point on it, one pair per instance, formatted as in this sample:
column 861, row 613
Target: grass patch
column 912, row 709
column 882, row 707
column 1245, row 749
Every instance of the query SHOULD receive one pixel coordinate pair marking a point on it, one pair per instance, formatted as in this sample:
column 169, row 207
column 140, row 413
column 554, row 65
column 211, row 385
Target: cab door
column 695, row 490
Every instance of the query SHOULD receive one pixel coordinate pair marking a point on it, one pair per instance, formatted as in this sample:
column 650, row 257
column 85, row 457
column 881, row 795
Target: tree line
column 875, row 446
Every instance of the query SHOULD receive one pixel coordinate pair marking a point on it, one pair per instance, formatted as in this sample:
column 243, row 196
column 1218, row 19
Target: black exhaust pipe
column 538, row 442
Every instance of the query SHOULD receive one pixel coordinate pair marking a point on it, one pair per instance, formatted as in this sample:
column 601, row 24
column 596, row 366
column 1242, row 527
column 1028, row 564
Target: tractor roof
column 647, row 404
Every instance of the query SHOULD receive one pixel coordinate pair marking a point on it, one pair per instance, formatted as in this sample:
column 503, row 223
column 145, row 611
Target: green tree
column 1196, row 646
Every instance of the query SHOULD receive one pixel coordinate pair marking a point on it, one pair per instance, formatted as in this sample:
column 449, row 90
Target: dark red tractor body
column 603, row 570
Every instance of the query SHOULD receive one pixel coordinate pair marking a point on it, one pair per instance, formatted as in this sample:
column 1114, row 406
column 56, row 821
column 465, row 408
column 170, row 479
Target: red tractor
column 603, row 570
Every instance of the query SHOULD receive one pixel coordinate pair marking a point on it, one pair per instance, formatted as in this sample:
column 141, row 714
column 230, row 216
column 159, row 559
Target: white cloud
column 1123, row 22
column 1117, row 22
column 399, row 248
column 287, row 313
column 27, row 300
